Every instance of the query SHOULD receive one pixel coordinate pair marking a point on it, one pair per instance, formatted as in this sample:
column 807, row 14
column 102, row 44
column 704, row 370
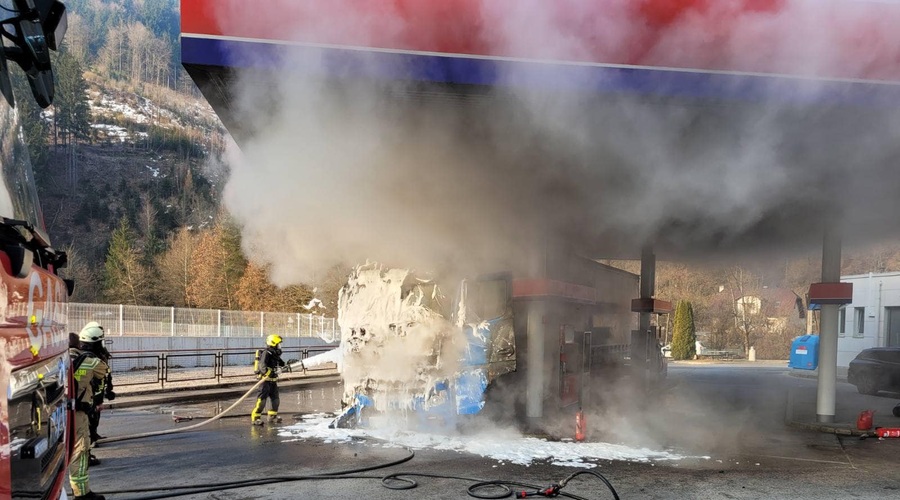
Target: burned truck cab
column 523, row 350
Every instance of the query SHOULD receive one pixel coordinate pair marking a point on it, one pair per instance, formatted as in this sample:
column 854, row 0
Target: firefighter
column 75, row 343
column 102, row 388
column 267, row 369
column 87, row 366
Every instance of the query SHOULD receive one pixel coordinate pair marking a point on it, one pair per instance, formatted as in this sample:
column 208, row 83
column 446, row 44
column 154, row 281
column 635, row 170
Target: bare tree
column 76, row 38
column 112, row 55
column 746, row 304
column 175, row 267
column 86, row 276
column 148, row 215
column 218, row 266
column 139, row 46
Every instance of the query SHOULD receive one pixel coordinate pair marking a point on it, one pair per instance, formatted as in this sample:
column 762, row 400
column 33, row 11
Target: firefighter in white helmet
column 267, row 365
column 87, row 366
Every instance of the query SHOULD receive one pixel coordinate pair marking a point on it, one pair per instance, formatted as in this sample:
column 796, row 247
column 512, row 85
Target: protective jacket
column 105, row 386
column 269, row 362
column 87, row 368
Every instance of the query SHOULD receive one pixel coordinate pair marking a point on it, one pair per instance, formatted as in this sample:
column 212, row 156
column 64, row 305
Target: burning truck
column 405, row 347
column 522, row 348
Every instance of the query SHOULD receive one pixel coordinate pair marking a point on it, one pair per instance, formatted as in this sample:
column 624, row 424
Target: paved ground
column 728, row 418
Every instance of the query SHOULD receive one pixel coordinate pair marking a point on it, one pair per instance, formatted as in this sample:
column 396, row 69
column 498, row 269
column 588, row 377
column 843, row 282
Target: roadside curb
column 813, row 374
column 842, row 429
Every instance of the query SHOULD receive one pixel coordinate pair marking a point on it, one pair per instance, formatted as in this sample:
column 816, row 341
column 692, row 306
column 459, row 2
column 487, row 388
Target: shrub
column 684, row 336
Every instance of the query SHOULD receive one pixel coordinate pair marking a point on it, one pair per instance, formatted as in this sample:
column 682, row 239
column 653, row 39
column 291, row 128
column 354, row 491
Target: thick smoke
column 340, row 172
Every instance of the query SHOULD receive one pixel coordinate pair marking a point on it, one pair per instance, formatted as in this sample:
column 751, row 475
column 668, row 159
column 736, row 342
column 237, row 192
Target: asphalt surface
column 745, row 431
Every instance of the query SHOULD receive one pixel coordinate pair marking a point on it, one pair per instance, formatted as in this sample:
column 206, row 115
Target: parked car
column 876, row 369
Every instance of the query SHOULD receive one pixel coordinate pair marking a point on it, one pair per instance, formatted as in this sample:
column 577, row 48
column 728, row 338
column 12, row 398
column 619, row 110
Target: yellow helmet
column 273, row 340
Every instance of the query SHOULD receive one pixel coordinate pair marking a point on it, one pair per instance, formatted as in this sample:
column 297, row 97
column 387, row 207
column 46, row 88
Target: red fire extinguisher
column 579, row 425
column 864, row 422
column 888, row 432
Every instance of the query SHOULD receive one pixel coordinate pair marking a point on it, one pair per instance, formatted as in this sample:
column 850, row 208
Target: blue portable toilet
column 804, row 353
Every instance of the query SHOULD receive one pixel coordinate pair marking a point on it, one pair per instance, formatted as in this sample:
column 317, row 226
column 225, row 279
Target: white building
column 873, row 318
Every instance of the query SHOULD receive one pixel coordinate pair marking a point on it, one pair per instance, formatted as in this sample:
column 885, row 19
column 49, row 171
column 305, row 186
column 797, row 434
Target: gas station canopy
column 828, row 72
column 690, row 48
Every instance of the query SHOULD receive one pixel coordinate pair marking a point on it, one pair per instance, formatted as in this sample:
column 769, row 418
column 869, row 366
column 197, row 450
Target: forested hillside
column 129, row 173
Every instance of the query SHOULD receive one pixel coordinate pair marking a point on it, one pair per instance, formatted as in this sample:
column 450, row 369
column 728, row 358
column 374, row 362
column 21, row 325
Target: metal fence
column 122, row 320
column 138, row 368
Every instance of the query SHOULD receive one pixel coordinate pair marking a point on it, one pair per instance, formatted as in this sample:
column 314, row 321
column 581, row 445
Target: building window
column 842, row 322
column 859, row 321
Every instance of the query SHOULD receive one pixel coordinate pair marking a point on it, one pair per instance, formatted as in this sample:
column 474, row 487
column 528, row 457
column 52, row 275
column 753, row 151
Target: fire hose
column 219, row 415
column 395, row 481
column 183, row 429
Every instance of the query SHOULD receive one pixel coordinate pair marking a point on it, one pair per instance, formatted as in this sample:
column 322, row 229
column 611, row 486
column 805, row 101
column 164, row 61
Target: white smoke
column 337, row 172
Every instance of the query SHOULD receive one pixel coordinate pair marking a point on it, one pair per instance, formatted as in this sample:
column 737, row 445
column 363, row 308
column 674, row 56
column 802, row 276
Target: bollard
column 751, row 355
column 579, row 426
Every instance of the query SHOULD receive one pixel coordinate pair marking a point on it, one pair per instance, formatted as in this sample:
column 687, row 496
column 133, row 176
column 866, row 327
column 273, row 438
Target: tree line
column 737, row 305
column 133, row 40
column 195, row 268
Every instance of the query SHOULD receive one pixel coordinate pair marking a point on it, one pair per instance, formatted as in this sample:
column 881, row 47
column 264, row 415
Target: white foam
column 503, row 445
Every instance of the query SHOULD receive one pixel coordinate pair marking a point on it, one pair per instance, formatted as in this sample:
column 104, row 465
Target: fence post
column 161, row 370
column 218, row 322
column 298, row 325
column 310, row 325
column 262, row 323
column 172, row 317
column 121, row 319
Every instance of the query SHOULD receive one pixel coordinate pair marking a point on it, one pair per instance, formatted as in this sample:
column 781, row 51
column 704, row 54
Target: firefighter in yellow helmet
column 87, row 366
column 267, row 367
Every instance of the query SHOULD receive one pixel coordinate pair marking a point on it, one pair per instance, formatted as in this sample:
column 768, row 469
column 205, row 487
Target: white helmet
column 92, row 332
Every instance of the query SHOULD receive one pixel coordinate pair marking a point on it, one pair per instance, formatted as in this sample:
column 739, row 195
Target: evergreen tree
column 70, row 104
column 684, row 336
column 33, row 126
column 126, row 280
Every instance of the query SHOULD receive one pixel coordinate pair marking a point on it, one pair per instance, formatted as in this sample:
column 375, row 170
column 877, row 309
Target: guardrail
column 132, row 368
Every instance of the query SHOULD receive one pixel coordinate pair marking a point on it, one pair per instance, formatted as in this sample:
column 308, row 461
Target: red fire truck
column 34, row 364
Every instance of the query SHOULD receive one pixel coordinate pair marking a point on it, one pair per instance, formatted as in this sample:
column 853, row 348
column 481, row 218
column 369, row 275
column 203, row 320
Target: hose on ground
column 481, row 488
column 183, row 429
column 177, row 491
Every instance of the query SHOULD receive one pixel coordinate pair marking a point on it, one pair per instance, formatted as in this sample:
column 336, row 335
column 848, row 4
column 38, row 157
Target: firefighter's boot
column 256, row 421
column 274, row 418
